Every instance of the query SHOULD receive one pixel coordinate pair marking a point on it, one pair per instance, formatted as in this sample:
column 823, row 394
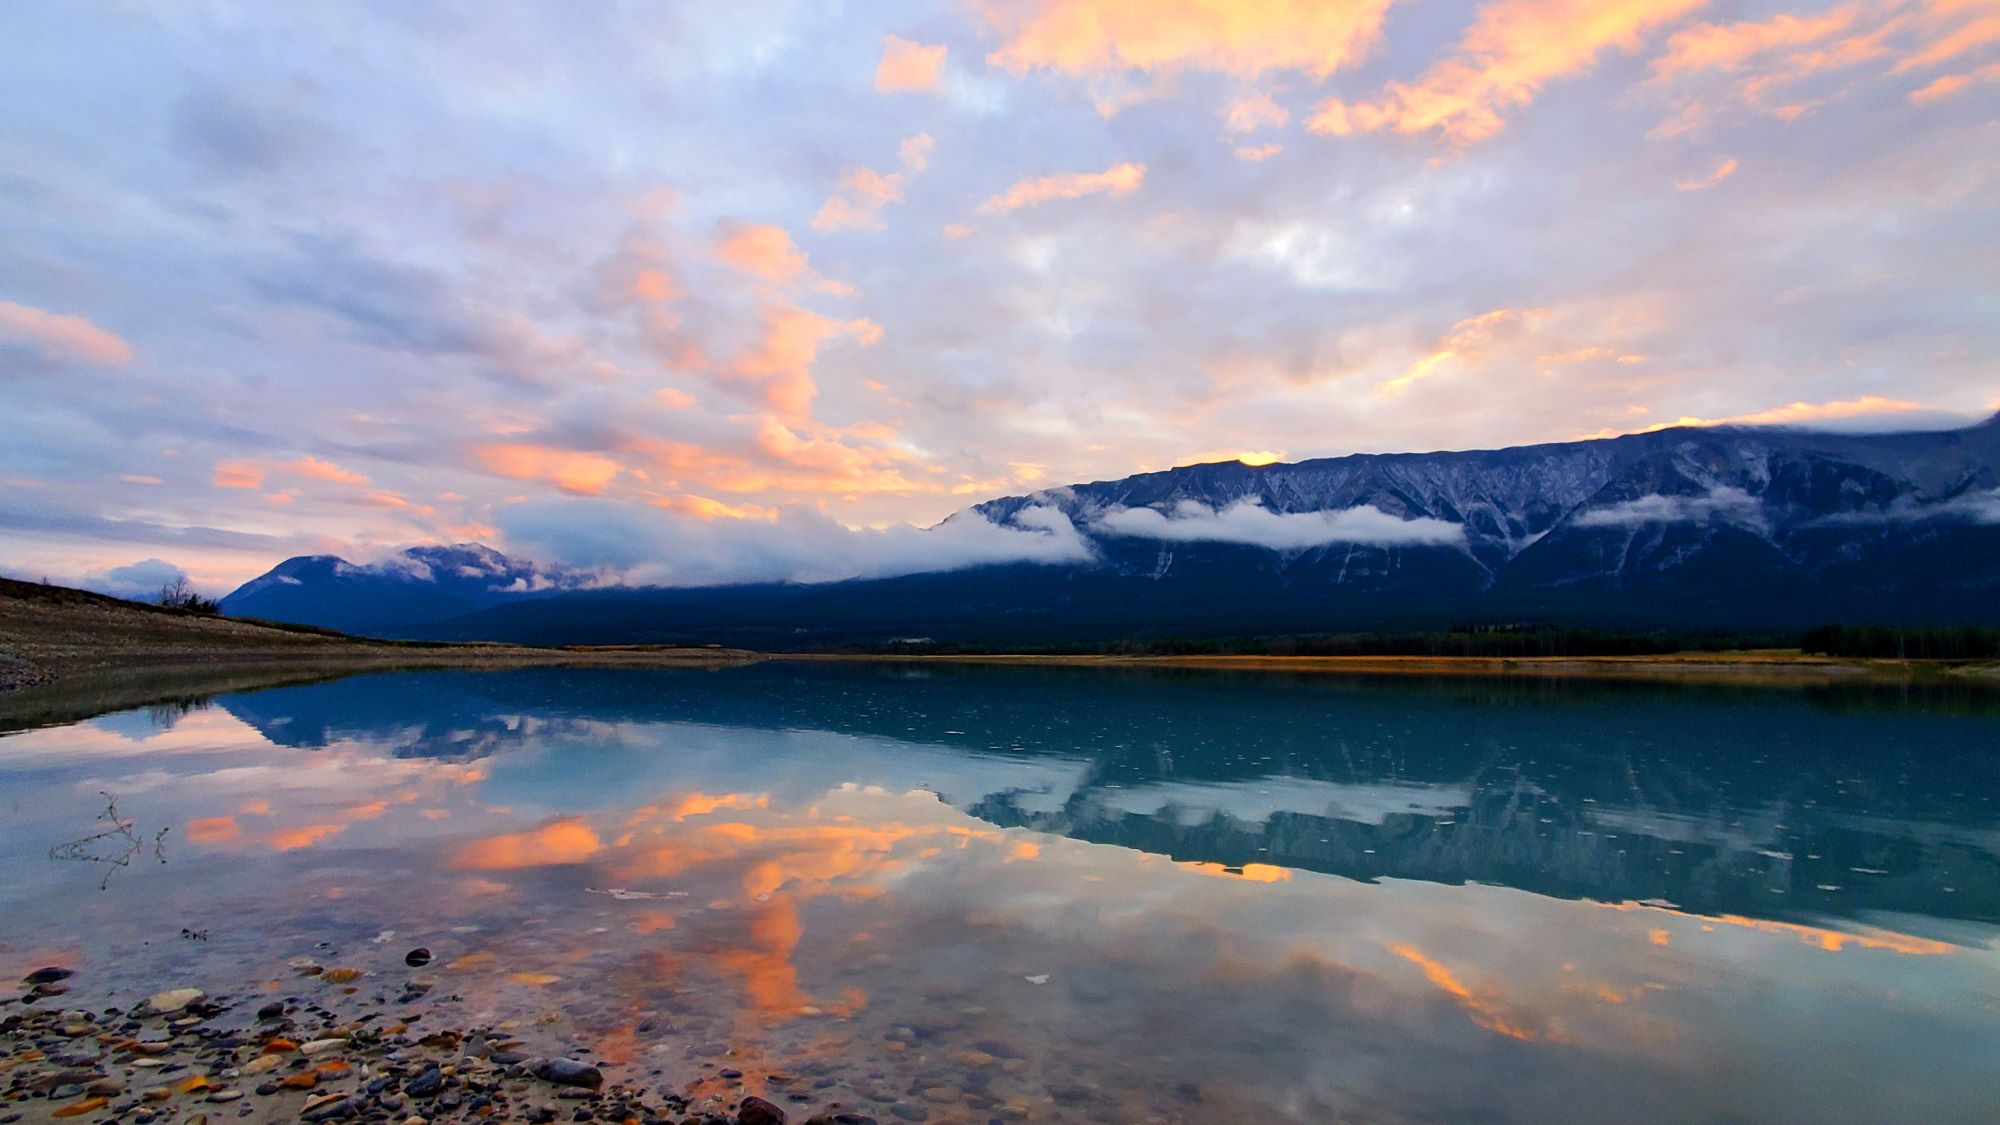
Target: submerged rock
column 757, row 1111
column 48, row 974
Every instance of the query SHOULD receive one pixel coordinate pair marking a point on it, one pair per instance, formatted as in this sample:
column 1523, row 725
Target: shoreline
column 351, row 1053
column 1770, row 667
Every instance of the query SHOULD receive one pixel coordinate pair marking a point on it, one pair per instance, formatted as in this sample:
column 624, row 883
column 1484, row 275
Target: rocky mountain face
column 1701, row 513
column 407, row 590
column 1692, row 528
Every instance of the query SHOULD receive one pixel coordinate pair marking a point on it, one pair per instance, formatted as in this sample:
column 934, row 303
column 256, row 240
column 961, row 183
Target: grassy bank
column 66, row 654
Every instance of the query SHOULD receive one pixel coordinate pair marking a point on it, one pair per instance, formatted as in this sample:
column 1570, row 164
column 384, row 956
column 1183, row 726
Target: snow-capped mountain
column 419, row 585
column 1689, row 528
column 1609, row 514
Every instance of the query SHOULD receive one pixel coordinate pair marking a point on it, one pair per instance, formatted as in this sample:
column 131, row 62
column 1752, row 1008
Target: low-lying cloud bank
column 646, row 547
column 1249, row 522
column 141, row 581
column 1724, row 503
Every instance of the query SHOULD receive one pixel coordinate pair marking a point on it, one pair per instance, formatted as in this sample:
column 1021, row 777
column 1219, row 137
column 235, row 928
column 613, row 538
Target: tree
column 179, row 595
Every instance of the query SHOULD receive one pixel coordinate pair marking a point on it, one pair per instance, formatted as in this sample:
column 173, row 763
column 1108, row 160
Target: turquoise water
column 1088, row 894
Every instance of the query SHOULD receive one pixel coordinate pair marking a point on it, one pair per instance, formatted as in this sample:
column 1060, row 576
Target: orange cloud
column 1732, row 46
column 563, row 841
column 62, row 336
column 239, row 474
column 1513, row 49
column 1252, row 112
column 324, row 470
column 909, row 67
column 832, row 465
column 673, row 398
column 783, row 357
column 1799, row 413
column 1722, row 172
column 292, row 839
column 586, row 474
column 1258, row 153
column 1949, row 84
column 1468, row 342
column 915, row 151
column 764, row 251
column 1117, row 180
column 1486, row 1009
column 703, row 508
column 214, row 830
column 1241, row 37
column 1983, row 30
column 654, row 285
column 858, row 199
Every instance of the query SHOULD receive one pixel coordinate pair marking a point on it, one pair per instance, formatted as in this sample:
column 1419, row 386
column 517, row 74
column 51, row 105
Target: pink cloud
column 62, row 336
column 908, row 67
column 1117, row 180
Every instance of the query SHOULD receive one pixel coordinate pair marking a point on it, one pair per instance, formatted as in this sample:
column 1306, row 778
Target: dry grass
column 66, row 654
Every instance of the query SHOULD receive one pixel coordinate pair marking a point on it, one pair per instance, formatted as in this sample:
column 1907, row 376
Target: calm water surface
column 1095, row 895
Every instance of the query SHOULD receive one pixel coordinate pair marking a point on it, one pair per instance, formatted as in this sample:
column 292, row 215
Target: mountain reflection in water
column 1782, row 805
column 1080, row 895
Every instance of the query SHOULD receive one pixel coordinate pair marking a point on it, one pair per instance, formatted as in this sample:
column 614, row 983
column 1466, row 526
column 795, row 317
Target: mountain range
column 1694, row 528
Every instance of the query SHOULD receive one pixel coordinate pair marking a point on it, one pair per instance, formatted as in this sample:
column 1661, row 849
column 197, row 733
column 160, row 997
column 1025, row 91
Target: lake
column 950, row 893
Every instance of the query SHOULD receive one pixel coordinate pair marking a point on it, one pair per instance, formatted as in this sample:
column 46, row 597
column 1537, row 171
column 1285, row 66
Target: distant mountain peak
column 420, row 583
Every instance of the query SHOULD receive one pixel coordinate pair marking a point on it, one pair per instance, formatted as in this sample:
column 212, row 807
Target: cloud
column 764, row 251
column 1252, row 112
column 1117, row 180
column 60, row 336
column 1248, row 522
column 140, row 581
column 1240, row 37
column 857, row 201
column 1258, row 153
column 1512, row 50
column 908, row 67
column 1871, row 413
column 782, row 358
column 318, row 469
column 1723, row 170
column 1727, row 504
column 1733, row 46
column 655, row 547
column 1946, row 85
column 1466, row 344
column 574, row 471
column 238, row 474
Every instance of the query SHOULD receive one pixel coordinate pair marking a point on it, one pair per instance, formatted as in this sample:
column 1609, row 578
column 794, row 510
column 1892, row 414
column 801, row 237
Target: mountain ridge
column 1687, row 527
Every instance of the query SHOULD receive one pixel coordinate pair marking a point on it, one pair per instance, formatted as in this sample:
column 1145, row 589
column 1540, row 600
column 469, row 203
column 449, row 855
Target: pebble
column 757, row 1111
column 417, row 958
column 48, row 974
column 321, row 1046
column 566, row 1072
column 173, row 1000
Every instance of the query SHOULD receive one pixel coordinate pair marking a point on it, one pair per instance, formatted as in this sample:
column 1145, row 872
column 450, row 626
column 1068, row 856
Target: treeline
column 1501, row 641
column 1964, row 642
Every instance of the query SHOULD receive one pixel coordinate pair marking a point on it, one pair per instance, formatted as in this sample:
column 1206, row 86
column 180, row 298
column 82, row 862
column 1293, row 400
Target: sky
column 287, row 278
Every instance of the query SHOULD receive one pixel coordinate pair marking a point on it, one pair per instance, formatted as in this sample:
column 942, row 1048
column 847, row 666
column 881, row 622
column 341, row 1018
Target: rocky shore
column 182, row 1057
